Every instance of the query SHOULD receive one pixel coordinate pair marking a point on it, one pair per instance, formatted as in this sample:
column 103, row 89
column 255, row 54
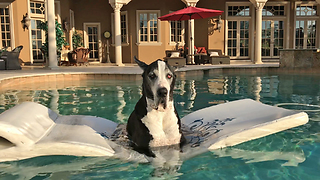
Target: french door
column 305, row 34
column 238, row 38
column 272, row 38
column 92, row 41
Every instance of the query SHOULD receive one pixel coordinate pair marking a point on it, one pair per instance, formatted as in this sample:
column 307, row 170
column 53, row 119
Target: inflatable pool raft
column 30, row 129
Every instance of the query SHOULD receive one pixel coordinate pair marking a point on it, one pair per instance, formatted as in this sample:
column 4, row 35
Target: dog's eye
column 152, row 76
column 169, row 76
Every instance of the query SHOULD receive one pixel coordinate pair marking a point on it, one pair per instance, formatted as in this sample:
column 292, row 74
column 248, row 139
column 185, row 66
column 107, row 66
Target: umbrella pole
column 191, row 42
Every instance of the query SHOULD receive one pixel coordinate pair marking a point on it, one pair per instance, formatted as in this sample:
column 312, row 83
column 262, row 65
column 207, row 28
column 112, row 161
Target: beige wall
column 99, row 11
column 20, row 8
column 206, row 35
column 65, row 15
column 148, row 53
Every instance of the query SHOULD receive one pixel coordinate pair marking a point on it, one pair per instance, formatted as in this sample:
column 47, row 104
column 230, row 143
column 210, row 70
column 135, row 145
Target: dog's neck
column 162, row 124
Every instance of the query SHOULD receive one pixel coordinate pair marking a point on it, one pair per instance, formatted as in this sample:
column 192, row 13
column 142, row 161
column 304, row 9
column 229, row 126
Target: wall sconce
column 219, row 23
column 25, row 22
column 65, row 25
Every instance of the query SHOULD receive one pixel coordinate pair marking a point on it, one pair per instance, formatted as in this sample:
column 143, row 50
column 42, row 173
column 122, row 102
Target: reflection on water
column 294, row 151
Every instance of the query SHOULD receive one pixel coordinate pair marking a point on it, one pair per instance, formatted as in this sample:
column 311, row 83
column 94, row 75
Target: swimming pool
column 291, row 154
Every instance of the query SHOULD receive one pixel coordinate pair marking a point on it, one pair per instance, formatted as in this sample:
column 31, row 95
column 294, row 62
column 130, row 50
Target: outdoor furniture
column 216, row 57
column 2, row 64
column 75, row 57
column 72, row 58
column 64, row 57
column 11, row 59
column 201, row 56
column 174, row 58
column 82, row 55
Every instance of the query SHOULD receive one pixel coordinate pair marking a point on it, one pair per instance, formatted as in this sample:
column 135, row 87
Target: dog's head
column 158, row 83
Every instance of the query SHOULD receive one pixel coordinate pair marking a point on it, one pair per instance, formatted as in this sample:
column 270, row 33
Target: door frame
column 272, row 38
column 238, row 20
column 86, row 41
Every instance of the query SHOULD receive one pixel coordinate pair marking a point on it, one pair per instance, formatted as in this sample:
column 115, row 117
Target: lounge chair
column 216, row 57
column 174, row 58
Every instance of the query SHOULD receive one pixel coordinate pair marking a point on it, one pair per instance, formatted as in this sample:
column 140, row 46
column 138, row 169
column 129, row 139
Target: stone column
column 117, row 33
column 117, row 5
column 259, row 4
column 52, row 45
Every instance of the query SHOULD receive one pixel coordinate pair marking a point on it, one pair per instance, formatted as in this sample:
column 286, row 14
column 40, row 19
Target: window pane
column 238, row 11
column 306, row 10
column 148, row 27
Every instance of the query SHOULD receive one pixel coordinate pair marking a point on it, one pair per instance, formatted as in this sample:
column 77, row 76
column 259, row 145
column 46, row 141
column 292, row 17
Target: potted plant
column 77, row 40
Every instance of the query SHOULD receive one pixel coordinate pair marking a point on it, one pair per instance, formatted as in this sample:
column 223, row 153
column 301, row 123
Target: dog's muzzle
column 162, row 94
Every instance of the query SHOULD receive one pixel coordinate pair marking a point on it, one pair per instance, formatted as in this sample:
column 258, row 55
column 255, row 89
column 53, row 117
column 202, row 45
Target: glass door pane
column 311, row 36
column 232, row 38
column 238, row 39
column 93, row 43
column 278, row 34
column 5, row 28
column 244, row 38
column 37, row 40
column 266, row 38
column 299, row 34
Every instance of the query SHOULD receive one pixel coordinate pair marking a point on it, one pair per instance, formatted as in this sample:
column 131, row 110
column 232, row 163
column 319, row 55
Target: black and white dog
column 154, row 121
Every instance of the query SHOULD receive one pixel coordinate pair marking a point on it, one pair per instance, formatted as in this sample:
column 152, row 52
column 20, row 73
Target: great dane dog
column 154, row 121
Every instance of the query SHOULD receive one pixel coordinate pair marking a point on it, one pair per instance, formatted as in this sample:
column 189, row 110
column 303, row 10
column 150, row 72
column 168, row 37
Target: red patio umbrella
column 190, row 13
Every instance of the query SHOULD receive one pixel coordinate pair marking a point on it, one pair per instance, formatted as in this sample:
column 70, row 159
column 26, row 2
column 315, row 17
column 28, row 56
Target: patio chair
column 82, row 55
column 174, row 58
column 17, row 49
column 216, row 57
column 201, row 56
column 72, row 60
column 11, row 58
column 64, row 58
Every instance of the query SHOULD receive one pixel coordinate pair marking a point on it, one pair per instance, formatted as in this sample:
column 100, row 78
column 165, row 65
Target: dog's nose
column 162, row 92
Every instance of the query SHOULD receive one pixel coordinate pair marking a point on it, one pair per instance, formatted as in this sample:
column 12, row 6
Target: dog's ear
column 140, row 63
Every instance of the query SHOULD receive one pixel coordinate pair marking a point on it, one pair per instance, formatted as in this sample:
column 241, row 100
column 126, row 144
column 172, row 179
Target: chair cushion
column 175, row 54
column 214, row 54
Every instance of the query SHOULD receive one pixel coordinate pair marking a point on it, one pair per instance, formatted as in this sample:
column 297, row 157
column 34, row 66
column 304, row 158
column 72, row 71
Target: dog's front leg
column 144, row 150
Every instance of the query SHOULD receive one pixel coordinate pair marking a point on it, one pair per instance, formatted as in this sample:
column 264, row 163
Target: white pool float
column 30, row 129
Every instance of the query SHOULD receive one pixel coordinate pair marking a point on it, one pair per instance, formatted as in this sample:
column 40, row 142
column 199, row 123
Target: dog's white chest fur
column 163, row 126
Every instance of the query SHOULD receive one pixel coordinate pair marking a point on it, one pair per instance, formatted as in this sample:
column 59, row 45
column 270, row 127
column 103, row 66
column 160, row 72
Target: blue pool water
column 291, row 154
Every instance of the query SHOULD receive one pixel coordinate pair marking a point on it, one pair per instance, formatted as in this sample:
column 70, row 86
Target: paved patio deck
column 128, row 69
